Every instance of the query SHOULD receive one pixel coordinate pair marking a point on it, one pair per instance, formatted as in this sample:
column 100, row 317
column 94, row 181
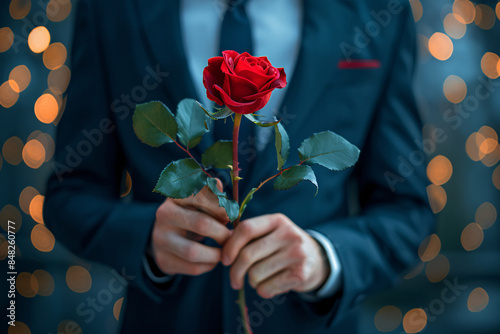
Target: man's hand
column 277, row 255
column 180, row 224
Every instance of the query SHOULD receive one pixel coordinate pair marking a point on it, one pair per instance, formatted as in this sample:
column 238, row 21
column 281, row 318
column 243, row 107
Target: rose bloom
column 242, row 82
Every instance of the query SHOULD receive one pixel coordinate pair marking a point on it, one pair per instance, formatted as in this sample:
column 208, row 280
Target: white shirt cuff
column 152, row 276
column 332, row 284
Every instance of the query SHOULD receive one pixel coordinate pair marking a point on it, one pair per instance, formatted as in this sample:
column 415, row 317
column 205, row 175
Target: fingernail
column 225, row 259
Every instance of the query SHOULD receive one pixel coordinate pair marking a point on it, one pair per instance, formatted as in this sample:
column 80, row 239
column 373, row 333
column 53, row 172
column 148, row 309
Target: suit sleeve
column 82, row 206
column 375, row 246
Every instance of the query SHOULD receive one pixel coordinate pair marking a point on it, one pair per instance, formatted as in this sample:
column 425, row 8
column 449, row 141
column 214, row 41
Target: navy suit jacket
column 128, row 52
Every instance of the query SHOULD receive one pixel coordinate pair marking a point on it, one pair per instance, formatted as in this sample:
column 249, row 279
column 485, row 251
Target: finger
column 201, row 223
column 279, row 283
column 251, row 254
column 268, row 267
column 192, row 251
column 245, row 232
column 173, row 265
column 206, row 201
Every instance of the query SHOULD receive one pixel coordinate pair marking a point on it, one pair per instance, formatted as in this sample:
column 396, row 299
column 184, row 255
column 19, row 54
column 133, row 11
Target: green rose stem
column 235, row 178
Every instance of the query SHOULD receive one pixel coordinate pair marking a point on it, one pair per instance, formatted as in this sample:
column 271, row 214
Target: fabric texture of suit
column 128, row 52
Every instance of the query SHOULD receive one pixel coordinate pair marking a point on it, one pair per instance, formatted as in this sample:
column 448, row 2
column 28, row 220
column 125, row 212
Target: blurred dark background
column 454, row 289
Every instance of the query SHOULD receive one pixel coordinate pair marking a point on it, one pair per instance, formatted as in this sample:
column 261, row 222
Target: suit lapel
column 323, row 30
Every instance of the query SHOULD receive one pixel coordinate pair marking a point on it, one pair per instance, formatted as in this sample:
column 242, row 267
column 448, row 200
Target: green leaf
column 263, row 124
column 219, row 155
column 181, row 179
column 219, row 114
column 282, row 144
column 191, row 121
column 328, row 150
column 293, row 176
column 232, row 208
column 154, row 123
column 247, row 199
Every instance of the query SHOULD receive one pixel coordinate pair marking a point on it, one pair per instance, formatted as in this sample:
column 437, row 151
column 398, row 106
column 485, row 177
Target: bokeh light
column 437, row 197
column 33, row 154
column 58, row 79
column 439, row 170
column 78, row 279
column 19, row 328
column 6, row 39
column 453, row 27
column 485, row 17
column 429, row 248
column 495, row 177
column 9, row 94
column 12, row 150
column 472, row 237
column 42, row 239
column 45, row 282
column 18, row 9
column 388, row 318
column 36, row 208
column 26, row 285
column 464, row 11
column 58, row 10
column 117, row 307
column 47, row 142
column 489, row 64
column 414, row 320
column 437, row 269
column 55, row 56
column 46, row 108
column 21, row 75
column 417, row 9
column 128, row 185
column 478, row 300
column 25, row 198
column 39, row 39
column 440, row 46
column 10, row 212
column 455, row 89
column 472, row 146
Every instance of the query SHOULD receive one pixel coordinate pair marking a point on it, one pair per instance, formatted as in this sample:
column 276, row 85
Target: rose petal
column 238, row 87
column 241, row 108
column 213, row 76
column 229, row 62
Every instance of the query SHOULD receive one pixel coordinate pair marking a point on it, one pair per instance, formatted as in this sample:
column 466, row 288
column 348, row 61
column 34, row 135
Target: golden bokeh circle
column 485, row 17
column 12, row 150
column 478, row 300
column 27, row 194
column 455, row 89
column 495, row 177
column 414, row 321
column 453, row 27
column 19, row 328
column 10, row 212
column 437, row 269
column 45, row 282
column 9, row 94
column 58, row 10
column 33, row 154
column 437, row 197
column 417, row 9
column 472, row 237
column 489, row 64
column 439, row 170
column 58, row 79
column 6, row 39
column 472, row 146
column 18, row 9
column 55, row 56
column 39, row 39
column 464, row 10
column 36, row 208
column 78, row 279
column 117, row 307
column 46, row 108
column 429, row 248
column 388, row 318
column 26, row 285
column 440, row 46
column 21, row 75
column 42, row 239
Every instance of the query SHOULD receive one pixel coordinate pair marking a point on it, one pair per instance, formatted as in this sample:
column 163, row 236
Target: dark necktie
column 236, row 34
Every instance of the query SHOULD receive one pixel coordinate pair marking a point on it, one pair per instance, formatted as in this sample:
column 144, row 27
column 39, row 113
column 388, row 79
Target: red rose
column 242, row 82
